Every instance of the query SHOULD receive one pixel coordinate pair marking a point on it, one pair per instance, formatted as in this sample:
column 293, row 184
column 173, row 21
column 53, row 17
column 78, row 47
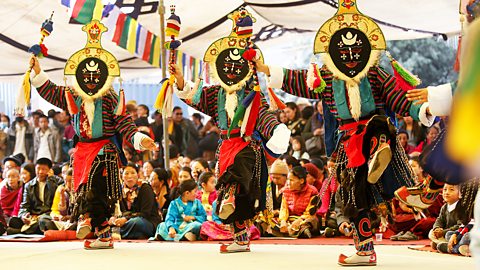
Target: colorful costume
column 370, row 164
column 241, row 112
column 100, row 122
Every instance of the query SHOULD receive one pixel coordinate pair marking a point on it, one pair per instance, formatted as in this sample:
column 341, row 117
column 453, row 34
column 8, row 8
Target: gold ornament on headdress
column 231, row 41
column 348, row 16
column 93, row 48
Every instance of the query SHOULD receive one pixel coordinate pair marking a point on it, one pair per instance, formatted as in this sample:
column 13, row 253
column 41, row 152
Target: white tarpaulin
column 202, row 23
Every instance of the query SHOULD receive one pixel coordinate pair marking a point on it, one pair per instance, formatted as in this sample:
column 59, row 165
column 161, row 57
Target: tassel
column 253, row 115
column 247, row 100
column 239, row 113
column 315, row 80
column 405, row 80
column 121, row 109
column 273, row 104
column 72, row 106
column 198, row 91
column 161, row 96
column 278, row 102
column 456, row 66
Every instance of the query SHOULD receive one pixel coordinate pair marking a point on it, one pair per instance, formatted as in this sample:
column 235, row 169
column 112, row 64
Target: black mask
column 91, row 75
column 231, row 67
column 350, row 51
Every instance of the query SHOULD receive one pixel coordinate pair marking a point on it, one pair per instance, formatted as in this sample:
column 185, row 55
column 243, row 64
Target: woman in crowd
column 147, row 167
column 295, row 122
column 299, row 150
column 184, row 217
column 432, row 134
column 295, row 219
column 198, row 166
column 139, row 207
column 416, row 132
column 159, row 182
column 184, row 174
column 403, row 139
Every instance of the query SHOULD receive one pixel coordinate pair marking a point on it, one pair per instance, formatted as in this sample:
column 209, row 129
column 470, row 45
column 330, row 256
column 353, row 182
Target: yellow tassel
column 256, row 88
column 27, row 87
column 161, row 96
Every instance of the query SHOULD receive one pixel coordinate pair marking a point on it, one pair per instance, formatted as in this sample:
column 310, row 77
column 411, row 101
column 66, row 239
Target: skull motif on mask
column 350, row 51
column 231, row 67
column 91, row 75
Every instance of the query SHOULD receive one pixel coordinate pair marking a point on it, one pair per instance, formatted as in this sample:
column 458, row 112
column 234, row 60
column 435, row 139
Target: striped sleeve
column 123, row 123
column 54, row 94
column 295, row 83
column 208, row 101
column 267, row 120
column 395, row 100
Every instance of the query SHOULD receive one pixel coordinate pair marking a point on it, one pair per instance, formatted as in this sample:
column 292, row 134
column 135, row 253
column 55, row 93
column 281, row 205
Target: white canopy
column 203, row 21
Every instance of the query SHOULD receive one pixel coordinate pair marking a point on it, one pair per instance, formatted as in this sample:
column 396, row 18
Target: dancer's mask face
column 350, row 51
column 91, row 75
column 231, row 66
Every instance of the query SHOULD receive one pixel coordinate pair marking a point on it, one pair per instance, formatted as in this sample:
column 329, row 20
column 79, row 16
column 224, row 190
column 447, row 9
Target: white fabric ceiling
column 21, row 21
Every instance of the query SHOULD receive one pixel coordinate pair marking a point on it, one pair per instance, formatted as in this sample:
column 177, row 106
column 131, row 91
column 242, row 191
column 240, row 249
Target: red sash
column 83, row 157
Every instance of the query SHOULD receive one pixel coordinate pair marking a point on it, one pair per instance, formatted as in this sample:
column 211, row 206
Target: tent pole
column 163, row 60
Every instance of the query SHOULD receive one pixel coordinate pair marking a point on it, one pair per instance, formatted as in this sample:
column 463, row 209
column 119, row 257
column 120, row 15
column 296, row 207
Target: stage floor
column 163, row 255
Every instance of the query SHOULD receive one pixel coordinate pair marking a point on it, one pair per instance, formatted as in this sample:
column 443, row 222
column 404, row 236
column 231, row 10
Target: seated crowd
column 179, row 203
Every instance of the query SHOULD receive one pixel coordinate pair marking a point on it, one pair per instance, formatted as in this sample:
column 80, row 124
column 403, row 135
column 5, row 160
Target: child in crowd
column 184, row 217
column 299, row 150
column 207, row 193
column 449, row 218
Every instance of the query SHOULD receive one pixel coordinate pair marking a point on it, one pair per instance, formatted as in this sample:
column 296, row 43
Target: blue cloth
column 137, row 228
column 174, row 219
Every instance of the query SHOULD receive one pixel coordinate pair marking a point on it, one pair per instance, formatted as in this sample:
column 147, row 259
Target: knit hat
column 312, row 170
column 279, row 167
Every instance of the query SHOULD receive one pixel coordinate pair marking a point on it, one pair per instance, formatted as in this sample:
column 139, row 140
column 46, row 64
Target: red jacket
column 297, row 201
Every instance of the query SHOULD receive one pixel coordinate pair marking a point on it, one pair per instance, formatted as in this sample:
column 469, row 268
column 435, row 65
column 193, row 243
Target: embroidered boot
column 358, row 260
column 241, row 239
column 104, row 240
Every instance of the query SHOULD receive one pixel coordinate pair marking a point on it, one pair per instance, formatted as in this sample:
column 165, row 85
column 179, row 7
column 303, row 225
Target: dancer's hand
column 149, row 143
column 261, row 67
column 418, row 96
column 172, row 232
column 174, row 70
column 34, row 64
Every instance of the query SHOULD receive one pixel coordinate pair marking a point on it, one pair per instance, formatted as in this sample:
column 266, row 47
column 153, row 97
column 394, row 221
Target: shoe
column 98, row 244
column 442, row 247
column 329, row 232
column 190, row 236
column 84, row 228
column 417, row 197
column 464, row 250
column 234, row 247
column 408, row 236
column 358, row 260
column 433, row 245
column 395, row 237
column 228, row 205
column 379, row 162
